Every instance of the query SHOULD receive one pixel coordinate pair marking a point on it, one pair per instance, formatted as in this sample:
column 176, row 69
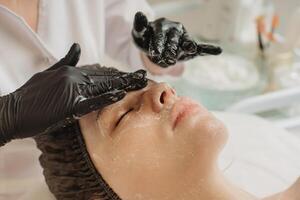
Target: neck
column 214, row 186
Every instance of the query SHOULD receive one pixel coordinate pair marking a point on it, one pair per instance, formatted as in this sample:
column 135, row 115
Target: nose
column 159, row 96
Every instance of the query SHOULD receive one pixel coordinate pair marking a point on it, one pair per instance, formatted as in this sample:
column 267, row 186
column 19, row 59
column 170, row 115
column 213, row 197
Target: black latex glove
column 61, row 94
column 165, row 42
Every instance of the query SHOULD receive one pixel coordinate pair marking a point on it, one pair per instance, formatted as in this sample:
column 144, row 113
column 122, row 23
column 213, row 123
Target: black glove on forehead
column 62, row 93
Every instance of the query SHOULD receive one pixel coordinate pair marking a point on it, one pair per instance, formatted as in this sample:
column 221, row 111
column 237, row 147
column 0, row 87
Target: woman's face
column 152, row 142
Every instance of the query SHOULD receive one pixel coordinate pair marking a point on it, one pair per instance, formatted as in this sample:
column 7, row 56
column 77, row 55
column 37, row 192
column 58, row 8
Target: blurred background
column 259, row 71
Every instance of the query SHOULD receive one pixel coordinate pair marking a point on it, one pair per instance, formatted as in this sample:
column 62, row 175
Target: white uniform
column 99, row 26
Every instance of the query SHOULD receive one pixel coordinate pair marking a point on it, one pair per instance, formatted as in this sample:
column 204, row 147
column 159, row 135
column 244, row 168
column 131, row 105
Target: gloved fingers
column 96, row 73
column 99, row 71
column 127, row 82
column 183, row 56
column 208, row 49
column 202, row 50
column 157, row 45
column 188, row 45
column 98, row 102
column 140, row 24
column 95, row 66
column 190, row 49
column 71, row 59
column 133, row 81
column 171, row 47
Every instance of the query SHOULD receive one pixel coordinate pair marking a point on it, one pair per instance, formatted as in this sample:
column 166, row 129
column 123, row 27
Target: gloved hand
column 165, row 42
column 60, row 94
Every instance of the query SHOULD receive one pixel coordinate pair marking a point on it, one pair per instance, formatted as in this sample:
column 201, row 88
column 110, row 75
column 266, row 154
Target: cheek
column 204, row 135
column 137, row 142
column 143, row 146
column 141, row 125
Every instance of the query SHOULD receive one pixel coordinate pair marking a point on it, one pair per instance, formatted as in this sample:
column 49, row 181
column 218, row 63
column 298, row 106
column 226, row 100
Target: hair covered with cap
column 68, row 169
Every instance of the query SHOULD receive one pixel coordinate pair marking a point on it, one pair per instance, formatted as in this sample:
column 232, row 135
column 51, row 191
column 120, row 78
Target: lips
column 183, row 108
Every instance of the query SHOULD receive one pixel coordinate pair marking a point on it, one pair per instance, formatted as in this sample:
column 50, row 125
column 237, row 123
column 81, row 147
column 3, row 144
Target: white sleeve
column 119, row 15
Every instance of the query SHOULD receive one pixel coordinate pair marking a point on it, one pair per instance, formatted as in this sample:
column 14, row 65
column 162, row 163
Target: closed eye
column 123, row 115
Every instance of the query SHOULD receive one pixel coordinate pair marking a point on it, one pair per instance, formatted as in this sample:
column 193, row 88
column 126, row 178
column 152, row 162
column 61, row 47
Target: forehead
column 129, row 96
column 150, row 83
